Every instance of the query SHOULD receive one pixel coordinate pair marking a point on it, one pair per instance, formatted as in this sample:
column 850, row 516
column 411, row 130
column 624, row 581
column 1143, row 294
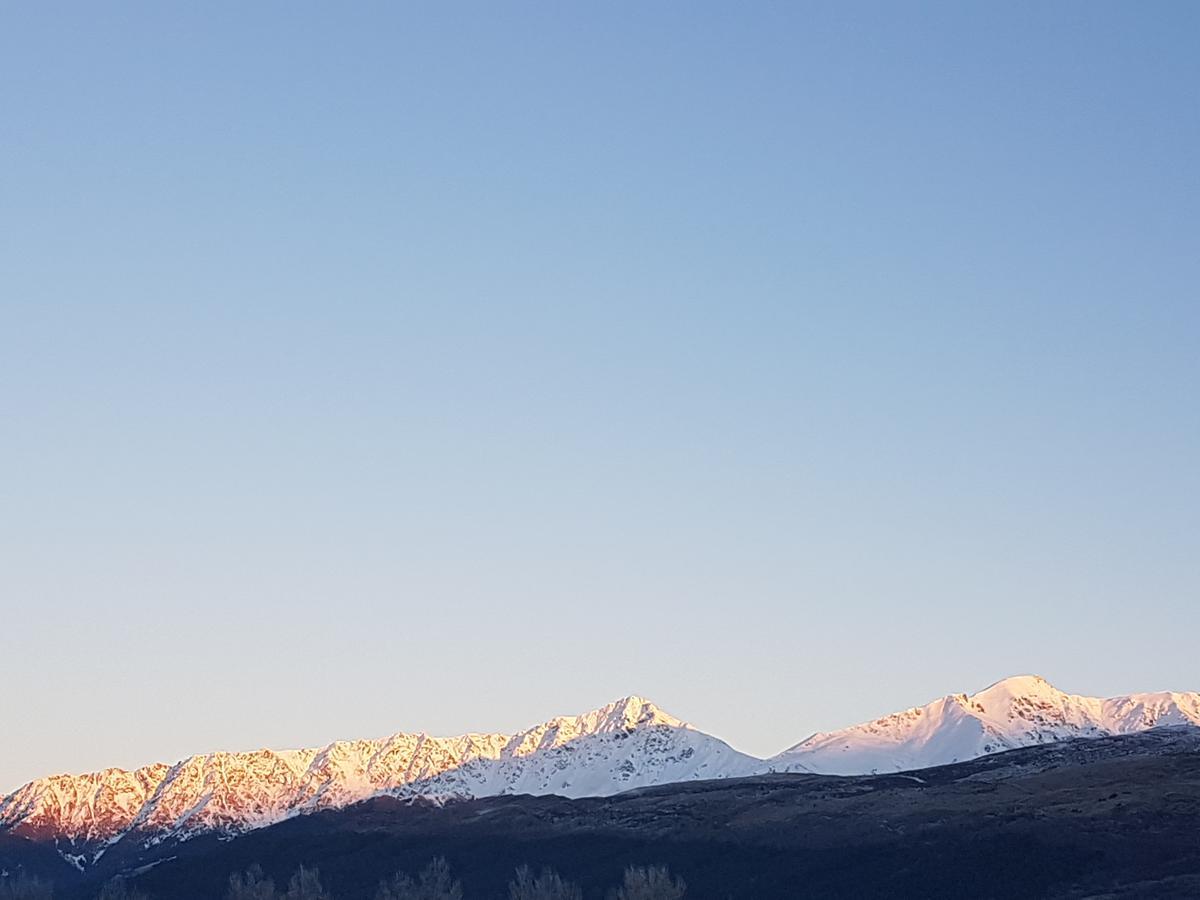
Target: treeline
column 434, row 882
column 22, row 887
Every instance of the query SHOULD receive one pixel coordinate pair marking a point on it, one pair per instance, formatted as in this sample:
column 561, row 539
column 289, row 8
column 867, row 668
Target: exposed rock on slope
column 627, row 744
column 1016, row 712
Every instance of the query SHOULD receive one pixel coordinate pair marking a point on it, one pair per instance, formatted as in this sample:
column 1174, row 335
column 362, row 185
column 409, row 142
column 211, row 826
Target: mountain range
column 1021, row 711
column 626, row 745
column 1111, row 817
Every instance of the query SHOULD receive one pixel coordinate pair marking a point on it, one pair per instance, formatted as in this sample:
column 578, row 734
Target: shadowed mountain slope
column 1112, row 817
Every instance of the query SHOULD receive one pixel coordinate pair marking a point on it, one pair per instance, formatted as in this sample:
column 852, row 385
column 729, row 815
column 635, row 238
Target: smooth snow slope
column 628, row 744
column 1015, row 712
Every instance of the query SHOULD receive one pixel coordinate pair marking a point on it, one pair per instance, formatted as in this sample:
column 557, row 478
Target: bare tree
column 546, row 886
column 649, row 883
column 306, row 885
column 117, row 889
column 434, row 883
column 24, row 887
column 251, row 885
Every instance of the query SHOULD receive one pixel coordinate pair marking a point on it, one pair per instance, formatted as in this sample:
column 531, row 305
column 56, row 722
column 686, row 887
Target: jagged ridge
column 628, row 744
column 1017, row 712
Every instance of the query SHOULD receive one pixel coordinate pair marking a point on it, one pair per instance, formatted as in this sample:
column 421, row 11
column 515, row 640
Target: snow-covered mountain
column 627, row 744
column 1015, row 712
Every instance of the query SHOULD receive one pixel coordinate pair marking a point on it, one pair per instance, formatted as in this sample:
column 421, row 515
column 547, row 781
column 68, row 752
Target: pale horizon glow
column 376, row 369
column 730, row 740
column 510, row 731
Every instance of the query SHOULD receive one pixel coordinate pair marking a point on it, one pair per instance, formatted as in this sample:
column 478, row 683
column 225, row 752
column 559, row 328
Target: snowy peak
column 82, row 807
column 628, row 743
column 1015, row 712
column 625, row 714
column 1020, row 686
column 1026, row 695
column 1137, row 712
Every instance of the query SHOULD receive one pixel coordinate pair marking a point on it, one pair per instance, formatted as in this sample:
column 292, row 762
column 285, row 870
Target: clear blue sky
column 368, row 367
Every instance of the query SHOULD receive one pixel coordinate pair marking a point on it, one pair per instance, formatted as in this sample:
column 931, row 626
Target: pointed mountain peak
column 624, row 714
column 1018, row 686
column 640, row 711
column 633, row 703
column 626, row 744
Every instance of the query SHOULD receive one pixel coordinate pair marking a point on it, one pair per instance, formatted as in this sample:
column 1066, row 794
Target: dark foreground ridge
column 1111, row 817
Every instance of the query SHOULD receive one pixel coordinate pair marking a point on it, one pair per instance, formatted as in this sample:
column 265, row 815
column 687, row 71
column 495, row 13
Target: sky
column 377, row 367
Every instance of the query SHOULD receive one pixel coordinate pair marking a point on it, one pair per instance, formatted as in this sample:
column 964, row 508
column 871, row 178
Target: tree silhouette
column 251, row 885
column 546, row 886
column 649, row 883
column 306, row 885
column 434, row 883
